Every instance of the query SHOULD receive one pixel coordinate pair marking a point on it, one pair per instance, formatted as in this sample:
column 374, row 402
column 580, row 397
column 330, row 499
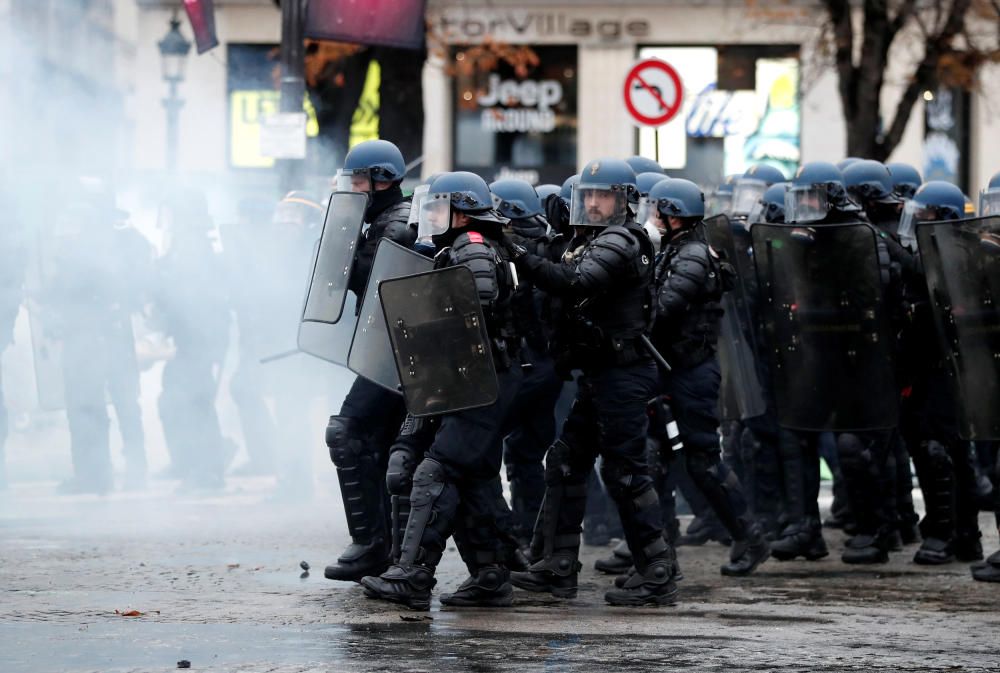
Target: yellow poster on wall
column 247, row 107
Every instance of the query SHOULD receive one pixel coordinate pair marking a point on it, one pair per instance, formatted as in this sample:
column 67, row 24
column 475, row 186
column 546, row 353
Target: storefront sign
column 457, row 25
column 528, row 104
column 510, row 123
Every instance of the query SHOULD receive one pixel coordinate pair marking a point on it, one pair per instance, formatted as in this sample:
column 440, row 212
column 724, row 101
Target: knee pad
column 343, row 441
column 702, row 465
column 622, row 480
column 852, row 451
column 428, row 483
column 938, row 455
column 557, row 462
column 402, row 465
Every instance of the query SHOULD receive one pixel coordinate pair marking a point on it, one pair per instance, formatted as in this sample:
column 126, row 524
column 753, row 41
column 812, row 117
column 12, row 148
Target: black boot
column 867, row 549
column 410, row 586
column 989, row 570
column 746, row 555
column 804, row 538
column 617, row 563
column 358, row 560
column 934, row 552
column 556, row 575
column 703, row 529
column 490, row 588
column 654, row 586
column 968, row 546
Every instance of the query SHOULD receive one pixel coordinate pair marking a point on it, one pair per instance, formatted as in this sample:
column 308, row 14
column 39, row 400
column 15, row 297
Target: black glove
column 557, row 213
column 513, row 250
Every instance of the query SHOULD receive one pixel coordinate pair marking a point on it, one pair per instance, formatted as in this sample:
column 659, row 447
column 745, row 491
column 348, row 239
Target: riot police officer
column 608, row 287
column 360, row 435
column 455, row 487
column 929, row 421
column 535, row 429
column 691, row 281
column 816, row 196
column 721, row 199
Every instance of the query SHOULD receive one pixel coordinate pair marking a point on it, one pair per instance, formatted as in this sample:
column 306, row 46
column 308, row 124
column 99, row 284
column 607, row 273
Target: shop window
column 518, row 126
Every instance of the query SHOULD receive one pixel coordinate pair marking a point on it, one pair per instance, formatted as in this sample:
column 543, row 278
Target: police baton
column 651, row 349
column 279, row 356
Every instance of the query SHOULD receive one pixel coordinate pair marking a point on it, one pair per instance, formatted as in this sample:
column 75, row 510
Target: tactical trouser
column 693, row 394
column 942, row 462
column 190, row 420
column 800, row 474
column 533, row 432
column 608, row 419
column 456, row 487
column 868, row 465
column 359, row 440
column 761, row 456
column 86, row 407
column 123, row 389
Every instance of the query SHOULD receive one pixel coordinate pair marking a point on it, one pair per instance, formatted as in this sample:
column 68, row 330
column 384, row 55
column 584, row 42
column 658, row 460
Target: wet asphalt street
column 216, row 581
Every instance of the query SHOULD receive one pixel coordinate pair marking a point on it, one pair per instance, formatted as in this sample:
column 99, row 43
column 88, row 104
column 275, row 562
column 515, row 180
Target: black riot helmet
column 606, row 194
column 644, row 182
column 989, row 198
column 458, row 192
column 369, row 162
column 751, row 186
column 515, row 199
column 721, row 199
column 905, row 179
column 678, row 198
column 644, row 165
column 816, row 190
column 870, row 181
column 546, row 190
column 935, row 200
column 770, row 207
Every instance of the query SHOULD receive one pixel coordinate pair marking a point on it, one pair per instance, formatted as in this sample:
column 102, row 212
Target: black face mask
column 379, row 201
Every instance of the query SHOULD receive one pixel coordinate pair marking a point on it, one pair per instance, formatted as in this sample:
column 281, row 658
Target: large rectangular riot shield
column 828, row 333
column 322, row 333
column 741, row 394
column 439, row 341
column 371, row 350
column 962, row 263
column 332, row 266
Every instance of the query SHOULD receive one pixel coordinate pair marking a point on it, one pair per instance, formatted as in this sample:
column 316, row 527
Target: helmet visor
column 597, row 206
column 419, row 196
column 643, row 211
column 913, row 214
column 719, row 203
column 808, row 203
column 989, row 202
column 435, row 215
column 353, row 180
column 746, row 195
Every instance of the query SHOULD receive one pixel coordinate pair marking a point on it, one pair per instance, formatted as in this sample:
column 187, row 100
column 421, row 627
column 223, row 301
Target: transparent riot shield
column 741, row 394
column 332, row 266
column 962, row 263
column 439, row 341
column 371, row 351
column 828, row 333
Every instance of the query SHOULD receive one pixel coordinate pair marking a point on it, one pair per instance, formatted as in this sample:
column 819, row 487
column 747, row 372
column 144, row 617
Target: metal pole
column 173, row 104
column 293, row 86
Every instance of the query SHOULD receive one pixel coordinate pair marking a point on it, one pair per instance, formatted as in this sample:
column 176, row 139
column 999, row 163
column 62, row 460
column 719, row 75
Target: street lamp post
column 173, row 54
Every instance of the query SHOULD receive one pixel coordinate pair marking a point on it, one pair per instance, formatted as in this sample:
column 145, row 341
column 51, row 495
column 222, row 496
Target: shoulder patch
column 475, row 237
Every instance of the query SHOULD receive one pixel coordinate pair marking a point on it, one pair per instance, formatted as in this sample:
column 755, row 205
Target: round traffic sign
column 653, row 92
